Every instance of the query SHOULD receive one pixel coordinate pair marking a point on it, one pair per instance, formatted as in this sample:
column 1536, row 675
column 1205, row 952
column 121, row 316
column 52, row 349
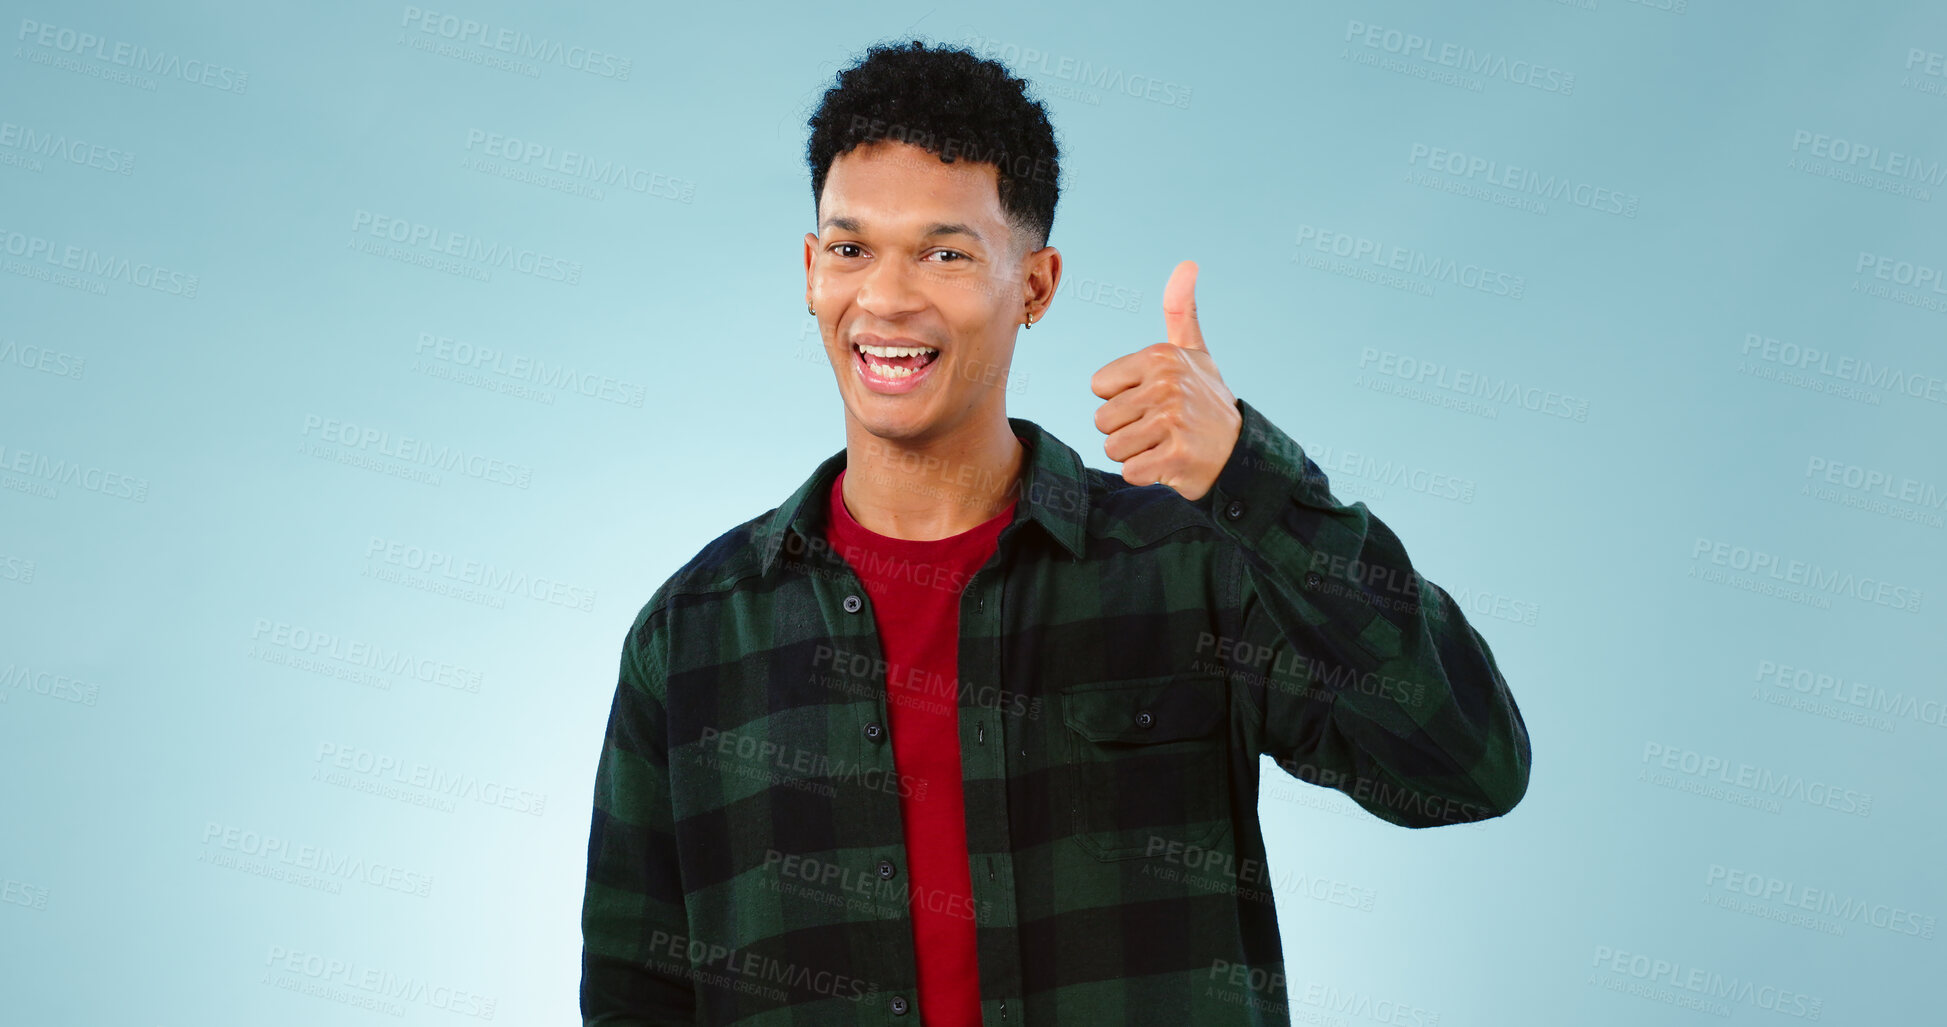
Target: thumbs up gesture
column 1169, row 417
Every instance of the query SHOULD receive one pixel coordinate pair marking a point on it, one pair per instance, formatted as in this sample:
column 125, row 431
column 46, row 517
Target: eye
column 952, row 253
column 836, row 247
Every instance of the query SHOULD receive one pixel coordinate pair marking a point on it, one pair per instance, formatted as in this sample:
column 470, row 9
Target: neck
column 931, row 489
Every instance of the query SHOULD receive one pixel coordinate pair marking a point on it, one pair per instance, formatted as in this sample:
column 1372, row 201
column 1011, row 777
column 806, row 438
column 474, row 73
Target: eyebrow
column 845, row 224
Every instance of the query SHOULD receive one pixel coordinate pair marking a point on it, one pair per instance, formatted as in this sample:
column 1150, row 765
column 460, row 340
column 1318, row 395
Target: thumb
column 1180, row 308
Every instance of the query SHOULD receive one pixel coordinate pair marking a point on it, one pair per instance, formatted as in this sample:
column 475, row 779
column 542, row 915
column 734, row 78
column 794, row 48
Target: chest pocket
column 1146, row 763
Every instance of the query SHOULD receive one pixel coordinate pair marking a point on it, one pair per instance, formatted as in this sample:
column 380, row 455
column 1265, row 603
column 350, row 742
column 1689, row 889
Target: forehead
column 891, row 183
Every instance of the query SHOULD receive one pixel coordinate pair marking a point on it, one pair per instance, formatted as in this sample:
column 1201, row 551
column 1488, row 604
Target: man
column 964, row 731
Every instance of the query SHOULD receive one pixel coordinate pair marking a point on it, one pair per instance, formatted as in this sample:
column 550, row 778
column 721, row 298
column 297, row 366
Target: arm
column 633, row 920
column 1363, row 676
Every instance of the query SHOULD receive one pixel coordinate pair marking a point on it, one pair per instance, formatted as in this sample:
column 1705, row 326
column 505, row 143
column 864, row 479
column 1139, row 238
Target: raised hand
column 1169, row 417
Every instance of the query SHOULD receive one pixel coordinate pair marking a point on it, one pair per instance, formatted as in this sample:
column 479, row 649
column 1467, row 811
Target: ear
column 810, row 248
column 1040, row 277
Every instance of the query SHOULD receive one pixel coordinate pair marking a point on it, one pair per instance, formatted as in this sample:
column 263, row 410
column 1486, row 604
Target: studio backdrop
column 364, row 368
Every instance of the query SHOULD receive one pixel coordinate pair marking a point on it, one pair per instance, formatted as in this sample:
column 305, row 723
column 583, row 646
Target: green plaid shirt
column 1125, row 656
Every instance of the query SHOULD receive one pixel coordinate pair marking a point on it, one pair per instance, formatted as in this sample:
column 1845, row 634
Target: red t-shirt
column 918, row 585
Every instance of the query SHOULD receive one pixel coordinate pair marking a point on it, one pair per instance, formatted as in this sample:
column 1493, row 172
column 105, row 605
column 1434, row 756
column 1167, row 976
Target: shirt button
column 1235, row 509
column 852, row 604
column 1312, row 579
column 897, row 1005
column 886, row 869
column 1145, row 719
column 873, row 732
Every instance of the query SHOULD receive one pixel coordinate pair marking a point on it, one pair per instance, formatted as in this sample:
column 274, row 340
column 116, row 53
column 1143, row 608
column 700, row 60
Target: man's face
column 912, row 252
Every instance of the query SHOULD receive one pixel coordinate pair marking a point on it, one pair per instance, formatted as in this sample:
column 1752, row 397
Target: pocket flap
column 1139, row 711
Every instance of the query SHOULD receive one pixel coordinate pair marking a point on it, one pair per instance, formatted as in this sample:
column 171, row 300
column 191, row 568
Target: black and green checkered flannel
column 1125, row 657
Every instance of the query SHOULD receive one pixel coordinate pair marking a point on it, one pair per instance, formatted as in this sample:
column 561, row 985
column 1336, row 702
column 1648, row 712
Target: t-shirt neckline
column 851, row 525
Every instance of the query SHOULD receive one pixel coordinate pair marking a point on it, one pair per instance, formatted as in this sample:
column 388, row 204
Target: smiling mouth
column 894, row 363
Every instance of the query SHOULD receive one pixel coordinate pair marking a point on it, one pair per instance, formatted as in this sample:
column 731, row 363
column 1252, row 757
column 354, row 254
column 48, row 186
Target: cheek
column 980, row 349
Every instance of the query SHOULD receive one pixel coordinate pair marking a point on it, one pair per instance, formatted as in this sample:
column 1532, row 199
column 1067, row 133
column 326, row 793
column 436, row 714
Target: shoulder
column 732, row 557
column 1137, row 515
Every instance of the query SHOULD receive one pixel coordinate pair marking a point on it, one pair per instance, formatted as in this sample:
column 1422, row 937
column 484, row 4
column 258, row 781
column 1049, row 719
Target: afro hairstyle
column 951, row 103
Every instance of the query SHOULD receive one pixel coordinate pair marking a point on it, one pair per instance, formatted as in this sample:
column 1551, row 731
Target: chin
column 901, row 428
column 912, row 421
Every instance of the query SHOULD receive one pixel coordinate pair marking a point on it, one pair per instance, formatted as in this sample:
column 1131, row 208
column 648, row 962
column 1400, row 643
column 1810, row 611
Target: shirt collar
column 1054, row 494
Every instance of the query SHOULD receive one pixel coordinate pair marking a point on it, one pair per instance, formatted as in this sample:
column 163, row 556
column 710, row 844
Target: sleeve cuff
column 1267, row 468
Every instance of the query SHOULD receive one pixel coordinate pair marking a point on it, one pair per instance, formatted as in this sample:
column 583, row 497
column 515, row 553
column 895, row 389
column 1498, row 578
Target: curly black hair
column 950, row 102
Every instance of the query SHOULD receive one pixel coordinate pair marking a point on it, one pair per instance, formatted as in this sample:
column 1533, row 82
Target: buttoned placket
column 899, row 966
column 986, row 744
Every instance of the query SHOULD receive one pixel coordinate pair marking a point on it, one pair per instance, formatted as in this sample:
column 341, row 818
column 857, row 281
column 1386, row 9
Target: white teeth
column 897, row 351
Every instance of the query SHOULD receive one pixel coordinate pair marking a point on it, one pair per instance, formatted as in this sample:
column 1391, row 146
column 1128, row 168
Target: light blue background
column 152, row 727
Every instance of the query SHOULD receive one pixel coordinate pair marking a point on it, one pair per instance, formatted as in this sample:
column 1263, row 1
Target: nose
column 889, row 291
